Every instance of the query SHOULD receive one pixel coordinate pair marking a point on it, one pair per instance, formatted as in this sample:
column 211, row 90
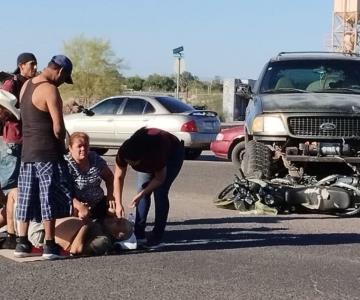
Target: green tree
column 186, row 79
column 96, row 69
column 156, row 82
column 136, row 83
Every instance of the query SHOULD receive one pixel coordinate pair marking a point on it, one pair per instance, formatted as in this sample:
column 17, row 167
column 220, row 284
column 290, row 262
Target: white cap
column 8, row 101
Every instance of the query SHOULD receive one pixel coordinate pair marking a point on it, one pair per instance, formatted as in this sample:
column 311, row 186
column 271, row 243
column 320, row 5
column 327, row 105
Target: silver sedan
column 113, row 120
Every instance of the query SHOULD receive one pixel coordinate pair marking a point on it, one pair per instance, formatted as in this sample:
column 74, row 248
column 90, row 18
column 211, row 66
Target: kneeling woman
column 87, row 170
column 158, row 156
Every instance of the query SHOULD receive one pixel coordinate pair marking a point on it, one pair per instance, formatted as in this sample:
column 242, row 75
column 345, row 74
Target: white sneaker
column 129, row 244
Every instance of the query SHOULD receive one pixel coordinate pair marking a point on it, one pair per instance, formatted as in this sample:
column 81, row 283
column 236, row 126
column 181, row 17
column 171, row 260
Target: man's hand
column 111, row 206
column 120, row 213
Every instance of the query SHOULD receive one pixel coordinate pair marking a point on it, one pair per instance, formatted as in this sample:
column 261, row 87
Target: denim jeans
column 9, row 165
column 161, row 198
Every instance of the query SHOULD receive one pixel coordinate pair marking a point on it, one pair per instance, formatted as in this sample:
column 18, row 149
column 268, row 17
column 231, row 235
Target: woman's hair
column 78, row 135
column 138, row 144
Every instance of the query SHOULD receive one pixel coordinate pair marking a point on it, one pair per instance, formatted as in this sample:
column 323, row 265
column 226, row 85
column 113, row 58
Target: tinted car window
column 134, row 106
column 174, row 105
column 149, row 108
column 108, row 107
column 301, row 73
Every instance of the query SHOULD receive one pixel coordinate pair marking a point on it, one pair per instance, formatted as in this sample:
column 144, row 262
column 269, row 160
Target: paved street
column 211, row 254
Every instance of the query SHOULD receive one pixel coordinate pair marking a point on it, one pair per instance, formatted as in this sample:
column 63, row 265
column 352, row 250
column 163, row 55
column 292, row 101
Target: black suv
column 304, row 116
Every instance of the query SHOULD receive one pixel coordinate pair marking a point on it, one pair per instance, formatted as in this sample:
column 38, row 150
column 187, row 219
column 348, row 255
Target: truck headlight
column 268, row 124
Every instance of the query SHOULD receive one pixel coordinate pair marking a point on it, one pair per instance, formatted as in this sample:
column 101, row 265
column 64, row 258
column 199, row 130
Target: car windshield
column 314, row 76
column 174, row 105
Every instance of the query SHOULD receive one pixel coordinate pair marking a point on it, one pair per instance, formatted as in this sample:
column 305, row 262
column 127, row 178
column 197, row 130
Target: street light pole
column 178, row 77
column 178, row 54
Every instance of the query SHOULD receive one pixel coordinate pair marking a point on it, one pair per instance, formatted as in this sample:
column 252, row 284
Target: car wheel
column 191, row 153
column 100, row 151
column 257, row 161
column 237, row 153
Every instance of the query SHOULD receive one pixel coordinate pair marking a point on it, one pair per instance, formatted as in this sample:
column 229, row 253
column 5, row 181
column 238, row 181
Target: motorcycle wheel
column 226, row 197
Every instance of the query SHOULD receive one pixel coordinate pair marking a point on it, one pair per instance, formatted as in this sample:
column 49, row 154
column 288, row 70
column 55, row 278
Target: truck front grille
column 332, row 127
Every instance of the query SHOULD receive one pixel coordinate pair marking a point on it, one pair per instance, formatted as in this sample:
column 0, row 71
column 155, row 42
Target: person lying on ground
column 91, row 238
column 79, row 237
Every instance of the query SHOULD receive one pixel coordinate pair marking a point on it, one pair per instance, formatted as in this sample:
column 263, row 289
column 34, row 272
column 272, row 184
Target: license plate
column 209, row 125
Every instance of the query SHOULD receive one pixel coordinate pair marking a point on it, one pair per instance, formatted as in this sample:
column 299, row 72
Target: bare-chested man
column 43, row 191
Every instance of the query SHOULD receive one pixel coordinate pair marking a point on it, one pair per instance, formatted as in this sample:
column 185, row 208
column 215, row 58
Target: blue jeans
column 161, row 198
column 9, row 165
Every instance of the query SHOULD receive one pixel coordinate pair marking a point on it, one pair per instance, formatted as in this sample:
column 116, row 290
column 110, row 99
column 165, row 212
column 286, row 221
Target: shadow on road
column 231, row 238
column 214, row 238
column 250, row 219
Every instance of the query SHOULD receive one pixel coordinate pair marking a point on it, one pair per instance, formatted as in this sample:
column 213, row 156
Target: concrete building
column 234, row 105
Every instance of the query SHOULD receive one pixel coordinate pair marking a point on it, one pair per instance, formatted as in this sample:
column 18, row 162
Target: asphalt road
column 210, row 254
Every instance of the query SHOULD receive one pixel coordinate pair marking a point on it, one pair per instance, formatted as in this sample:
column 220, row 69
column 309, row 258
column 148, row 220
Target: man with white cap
column 43, row 191
column 12, row 135
column 9, row 165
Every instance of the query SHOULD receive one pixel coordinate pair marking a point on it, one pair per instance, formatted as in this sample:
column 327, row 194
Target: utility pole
column 346, row 26
column 178, row 54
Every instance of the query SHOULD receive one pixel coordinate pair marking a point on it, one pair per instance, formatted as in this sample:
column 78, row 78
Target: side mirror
column 244, row 90
column 86, row 111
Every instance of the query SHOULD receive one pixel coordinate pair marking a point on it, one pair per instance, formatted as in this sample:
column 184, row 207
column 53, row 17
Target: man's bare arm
column 54, row 104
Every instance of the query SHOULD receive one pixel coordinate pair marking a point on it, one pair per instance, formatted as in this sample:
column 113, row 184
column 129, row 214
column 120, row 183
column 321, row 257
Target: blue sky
column 226, row 38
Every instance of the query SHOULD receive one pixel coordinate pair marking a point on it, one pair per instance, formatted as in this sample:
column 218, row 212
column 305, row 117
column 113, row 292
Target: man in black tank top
column 43, row 191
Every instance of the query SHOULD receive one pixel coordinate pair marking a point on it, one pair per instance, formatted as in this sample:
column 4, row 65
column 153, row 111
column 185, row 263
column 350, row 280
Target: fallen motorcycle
column 336, row 194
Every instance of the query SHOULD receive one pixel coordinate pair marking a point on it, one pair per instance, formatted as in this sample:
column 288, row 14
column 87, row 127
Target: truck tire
column 257, row 161
column 236, row 154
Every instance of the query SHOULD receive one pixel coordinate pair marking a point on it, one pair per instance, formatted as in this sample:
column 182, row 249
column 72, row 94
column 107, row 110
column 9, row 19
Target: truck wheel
column 257, row 161
column 237, row 153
